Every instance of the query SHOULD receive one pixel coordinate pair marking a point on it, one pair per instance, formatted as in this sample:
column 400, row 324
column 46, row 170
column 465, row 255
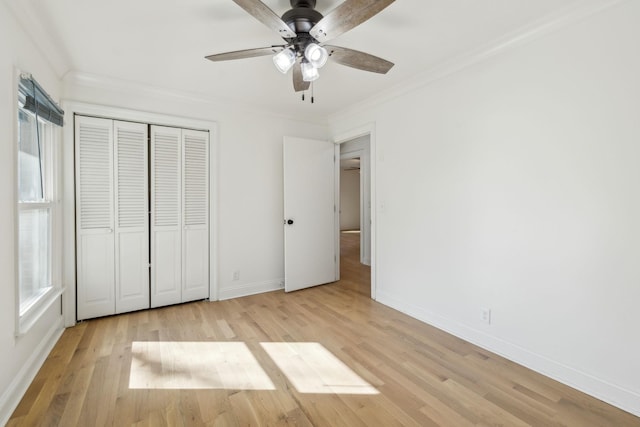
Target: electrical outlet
column 485, row 315
column 236, row 275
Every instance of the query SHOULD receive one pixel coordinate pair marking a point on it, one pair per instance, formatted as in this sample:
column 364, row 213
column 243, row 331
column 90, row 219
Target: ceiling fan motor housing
column 302, row 17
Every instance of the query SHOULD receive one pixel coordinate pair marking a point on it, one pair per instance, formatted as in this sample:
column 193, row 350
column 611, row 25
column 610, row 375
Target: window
column 37, row 269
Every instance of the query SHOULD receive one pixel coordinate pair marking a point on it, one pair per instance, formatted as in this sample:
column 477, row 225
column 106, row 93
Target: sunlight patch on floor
column 196, row 365
column 312, row 368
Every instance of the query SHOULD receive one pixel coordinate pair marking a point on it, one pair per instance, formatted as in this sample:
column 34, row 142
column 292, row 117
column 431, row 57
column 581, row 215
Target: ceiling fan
column 305, row 31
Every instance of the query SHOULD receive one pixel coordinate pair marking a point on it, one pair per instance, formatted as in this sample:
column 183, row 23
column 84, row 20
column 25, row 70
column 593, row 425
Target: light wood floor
column 422, row 376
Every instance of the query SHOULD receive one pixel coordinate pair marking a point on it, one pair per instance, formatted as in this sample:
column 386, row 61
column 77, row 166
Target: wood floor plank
column 489, row 413
column 81, row 383
column 422, row 376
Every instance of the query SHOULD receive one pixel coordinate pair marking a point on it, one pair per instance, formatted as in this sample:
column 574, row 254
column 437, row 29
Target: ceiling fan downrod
column 303, row 3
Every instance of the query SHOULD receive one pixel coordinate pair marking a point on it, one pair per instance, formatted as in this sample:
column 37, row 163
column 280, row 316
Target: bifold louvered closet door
column 112, row 225
column 179, row 215
column 116, row 237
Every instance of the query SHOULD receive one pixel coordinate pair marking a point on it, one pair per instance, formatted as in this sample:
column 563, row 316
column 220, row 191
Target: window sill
column 34, row 313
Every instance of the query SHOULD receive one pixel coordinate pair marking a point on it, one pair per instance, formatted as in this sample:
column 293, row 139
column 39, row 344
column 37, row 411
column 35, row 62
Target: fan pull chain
column 312, row 95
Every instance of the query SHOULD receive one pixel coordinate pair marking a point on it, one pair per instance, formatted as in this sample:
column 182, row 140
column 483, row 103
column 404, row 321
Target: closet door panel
column 95, row 275
column 94, row 217
column 195, row 205
column 196, row 265
column 166, row 271
column 166, row 232
column 132, row 278
column 132, row 221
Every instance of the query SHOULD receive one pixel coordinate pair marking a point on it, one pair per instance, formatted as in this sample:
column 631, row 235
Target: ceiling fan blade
column 241, row 54
column 348, row 15
column 299, row 85
column 360, row 60
column 262, row 13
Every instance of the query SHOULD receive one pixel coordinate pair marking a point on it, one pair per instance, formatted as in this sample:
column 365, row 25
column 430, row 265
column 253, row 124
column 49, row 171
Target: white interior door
column 166, row 232
column 131, row 219
column 94, row 213
column 310, row 213
column 195, row 215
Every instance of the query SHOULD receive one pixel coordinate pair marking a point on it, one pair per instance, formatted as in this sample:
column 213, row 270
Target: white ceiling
column 163, row 43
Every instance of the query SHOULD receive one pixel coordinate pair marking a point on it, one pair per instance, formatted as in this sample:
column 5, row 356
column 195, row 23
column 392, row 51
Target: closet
column 142, row 231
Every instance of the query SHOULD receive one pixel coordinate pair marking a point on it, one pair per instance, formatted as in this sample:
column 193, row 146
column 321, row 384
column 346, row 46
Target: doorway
column 355, row 214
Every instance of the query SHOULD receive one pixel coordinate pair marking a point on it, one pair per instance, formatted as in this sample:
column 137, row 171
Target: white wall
column 20, row 356
column 249, row 175
column 514, row 185
column 349, row 199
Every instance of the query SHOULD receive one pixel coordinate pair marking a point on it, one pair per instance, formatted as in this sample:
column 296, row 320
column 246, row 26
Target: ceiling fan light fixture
column 316, row 55
column 309, row 72
column 284, row 60
column 304, row 31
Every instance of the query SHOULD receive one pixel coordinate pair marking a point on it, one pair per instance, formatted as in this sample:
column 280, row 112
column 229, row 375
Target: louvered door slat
column 166, row 185
column 195, row 178
column 95, row 178
column 131, row 175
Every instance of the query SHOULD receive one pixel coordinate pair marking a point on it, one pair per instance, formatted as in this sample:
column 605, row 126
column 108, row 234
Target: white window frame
column 28, row 316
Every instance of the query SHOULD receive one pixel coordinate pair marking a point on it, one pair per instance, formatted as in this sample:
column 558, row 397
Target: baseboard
column 620, row 397
column 251, row 289
column 21, row 382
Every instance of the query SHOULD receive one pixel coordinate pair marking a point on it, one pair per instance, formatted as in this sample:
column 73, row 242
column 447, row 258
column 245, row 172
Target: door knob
column 289, row 221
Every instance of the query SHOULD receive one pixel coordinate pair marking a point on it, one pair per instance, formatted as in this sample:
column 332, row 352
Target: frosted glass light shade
column 284, row 60
column 316, row 55
column 309, row 72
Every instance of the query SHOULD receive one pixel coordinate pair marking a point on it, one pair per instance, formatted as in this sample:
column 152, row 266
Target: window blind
column 38, row 101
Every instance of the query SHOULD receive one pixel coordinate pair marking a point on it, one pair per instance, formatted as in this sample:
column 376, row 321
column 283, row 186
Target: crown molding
column 76, row 78
column 572, row 14
column 33, row 24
